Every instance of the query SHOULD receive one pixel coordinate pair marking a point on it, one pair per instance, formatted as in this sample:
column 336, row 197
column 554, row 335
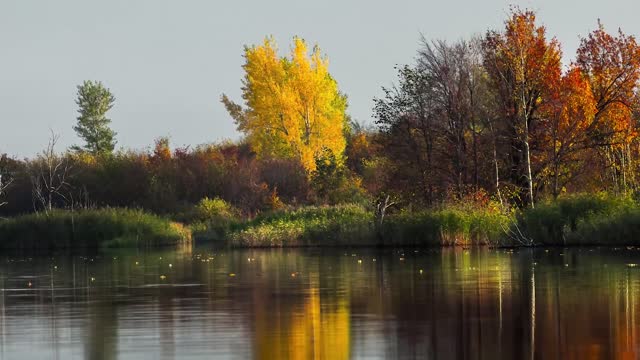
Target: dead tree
column 4, row 185
column 381, row 210
column 49, row 174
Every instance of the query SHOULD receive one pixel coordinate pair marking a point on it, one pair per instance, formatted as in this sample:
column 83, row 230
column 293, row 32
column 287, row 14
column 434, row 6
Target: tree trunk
column 528, row 166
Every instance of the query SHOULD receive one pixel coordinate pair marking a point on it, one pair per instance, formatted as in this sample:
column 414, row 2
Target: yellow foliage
column 294, row 106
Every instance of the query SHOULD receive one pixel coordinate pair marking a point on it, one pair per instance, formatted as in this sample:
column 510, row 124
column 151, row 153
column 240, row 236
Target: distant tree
column 94, row 101
column 294, row 108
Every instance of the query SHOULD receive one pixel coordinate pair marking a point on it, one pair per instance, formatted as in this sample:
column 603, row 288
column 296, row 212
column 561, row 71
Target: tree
column 329, row 176
column 94, row 101
column 523, row 66
column 294, row 108
column 430, row 120
column 5, row 179
column 569, row 113
column 612, row 66
column 405, row 117
column 49, row 174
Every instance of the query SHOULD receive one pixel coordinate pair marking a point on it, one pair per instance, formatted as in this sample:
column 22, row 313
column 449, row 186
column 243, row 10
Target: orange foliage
column 612, row 65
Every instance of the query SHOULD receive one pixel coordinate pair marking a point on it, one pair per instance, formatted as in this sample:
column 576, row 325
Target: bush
column 211, row 219
column 108, row 227
column 333, row 183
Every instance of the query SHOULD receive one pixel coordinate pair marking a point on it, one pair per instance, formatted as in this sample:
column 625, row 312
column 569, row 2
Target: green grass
column 592, row 219
column 446, row 227
column 620, row 227
column 348, row 225
column 589, row 219
column 108, row 227
column 584, row 219
column 352, row 225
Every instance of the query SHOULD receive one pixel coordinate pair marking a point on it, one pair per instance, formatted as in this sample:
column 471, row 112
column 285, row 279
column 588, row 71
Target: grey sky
column 168, row 61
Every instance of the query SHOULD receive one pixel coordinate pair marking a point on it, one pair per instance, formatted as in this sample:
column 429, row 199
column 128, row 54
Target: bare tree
column 5, row 179
column 4, row 184
column 49, row 174
column 382, row 205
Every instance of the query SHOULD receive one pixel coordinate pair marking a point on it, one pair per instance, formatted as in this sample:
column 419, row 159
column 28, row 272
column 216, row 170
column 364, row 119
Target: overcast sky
column 168, row 61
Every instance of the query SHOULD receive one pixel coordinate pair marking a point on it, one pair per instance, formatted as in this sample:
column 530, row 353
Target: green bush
column 211, row 219
column 108, row 227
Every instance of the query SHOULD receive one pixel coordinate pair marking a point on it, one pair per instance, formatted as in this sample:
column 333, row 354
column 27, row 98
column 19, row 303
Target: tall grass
column 352, row 225
column 308, row 226
column 108, row 227
column 618, row 227
column 580, row 219
column 574, row 220
column 585, row 219
column 446, row 227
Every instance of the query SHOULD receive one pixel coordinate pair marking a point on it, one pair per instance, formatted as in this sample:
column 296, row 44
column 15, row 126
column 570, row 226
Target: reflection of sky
column 322, row 304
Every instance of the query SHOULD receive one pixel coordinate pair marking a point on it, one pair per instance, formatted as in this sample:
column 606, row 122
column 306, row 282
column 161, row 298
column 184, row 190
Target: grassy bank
column 446, row 227
column 107, row 227
column 593, row 219
column 352, row 225
column 348, row 225
column 587, row 219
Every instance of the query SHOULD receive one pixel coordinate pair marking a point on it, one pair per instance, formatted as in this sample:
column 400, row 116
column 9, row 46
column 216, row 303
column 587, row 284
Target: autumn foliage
column 531, row 126
column 496, row 121
column 293, row 106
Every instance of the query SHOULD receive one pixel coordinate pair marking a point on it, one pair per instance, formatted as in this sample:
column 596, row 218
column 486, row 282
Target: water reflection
column 323, row 304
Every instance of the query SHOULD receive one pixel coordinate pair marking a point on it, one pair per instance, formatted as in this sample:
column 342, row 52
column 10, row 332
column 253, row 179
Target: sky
column 168, row 61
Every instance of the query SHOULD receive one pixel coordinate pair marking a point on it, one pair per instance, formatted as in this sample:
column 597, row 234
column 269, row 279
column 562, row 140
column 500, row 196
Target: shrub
column 210, row 219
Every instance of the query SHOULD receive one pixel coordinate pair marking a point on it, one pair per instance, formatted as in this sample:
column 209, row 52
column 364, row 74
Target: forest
column 490, row 140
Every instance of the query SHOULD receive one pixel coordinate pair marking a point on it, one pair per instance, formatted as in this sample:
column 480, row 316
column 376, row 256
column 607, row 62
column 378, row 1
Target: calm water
column 323, row 304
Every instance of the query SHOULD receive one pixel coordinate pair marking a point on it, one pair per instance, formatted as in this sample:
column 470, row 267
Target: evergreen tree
column 94, row 101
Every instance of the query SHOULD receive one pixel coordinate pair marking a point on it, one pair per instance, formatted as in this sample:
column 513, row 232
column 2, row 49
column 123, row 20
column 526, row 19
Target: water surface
column 323, row 304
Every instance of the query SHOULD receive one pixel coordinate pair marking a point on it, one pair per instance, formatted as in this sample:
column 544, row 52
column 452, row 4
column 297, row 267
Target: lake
column 323, row 303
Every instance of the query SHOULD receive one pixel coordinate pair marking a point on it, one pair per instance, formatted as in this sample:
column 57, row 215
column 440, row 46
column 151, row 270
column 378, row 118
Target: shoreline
column 585, row 220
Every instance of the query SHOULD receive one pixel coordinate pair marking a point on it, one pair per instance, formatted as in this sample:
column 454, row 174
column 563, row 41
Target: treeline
column 170, row 181
column 502, row 113
column 160, row 180
column 495, row 121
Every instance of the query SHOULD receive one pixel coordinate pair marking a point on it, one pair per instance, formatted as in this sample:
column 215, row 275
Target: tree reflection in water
column 323, row 304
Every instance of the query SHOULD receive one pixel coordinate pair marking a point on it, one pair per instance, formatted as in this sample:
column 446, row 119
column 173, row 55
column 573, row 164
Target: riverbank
column 96, row 228
column 576, row 220
column 589, row 219
column 352, row 225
